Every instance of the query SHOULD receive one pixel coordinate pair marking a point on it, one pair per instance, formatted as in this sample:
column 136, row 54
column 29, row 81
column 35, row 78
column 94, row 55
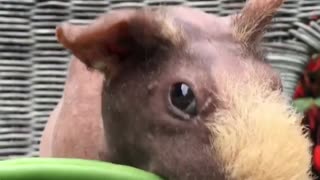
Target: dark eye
column 183, row 98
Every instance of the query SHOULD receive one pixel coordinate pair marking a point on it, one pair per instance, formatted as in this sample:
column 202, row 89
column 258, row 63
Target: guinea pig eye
column 183, row 98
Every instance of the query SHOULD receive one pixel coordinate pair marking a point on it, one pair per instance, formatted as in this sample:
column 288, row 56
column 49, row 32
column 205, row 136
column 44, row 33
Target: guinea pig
column 189, row 95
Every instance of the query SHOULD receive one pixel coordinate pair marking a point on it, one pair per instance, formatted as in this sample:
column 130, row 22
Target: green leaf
column 317, row 102
column 303, row 104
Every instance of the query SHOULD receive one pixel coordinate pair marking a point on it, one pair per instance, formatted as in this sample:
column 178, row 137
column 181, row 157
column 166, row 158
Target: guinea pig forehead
column 212, row 28
column 204, row 21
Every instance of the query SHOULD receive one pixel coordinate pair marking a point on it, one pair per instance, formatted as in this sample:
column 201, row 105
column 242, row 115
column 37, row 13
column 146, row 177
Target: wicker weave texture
column 33, row 65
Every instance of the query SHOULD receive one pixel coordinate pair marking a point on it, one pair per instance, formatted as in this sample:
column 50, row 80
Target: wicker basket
column 33, row 65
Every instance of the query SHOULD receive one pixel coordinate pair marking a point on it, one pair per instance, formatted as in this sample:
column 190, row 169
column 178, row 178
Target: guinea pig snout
column 258, row 135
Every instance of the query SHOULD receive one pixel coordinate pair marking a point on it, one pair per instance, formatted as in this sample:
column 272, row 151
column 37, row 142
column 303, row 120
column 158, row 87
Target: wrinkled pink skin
column 76, row 116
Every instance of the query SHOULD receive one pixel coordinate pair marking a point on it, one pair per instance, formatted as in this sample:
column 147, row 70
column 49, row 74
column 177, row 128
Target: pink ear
column 95, row 45
column 113, row 37
column 68, row 34
column 251, row 23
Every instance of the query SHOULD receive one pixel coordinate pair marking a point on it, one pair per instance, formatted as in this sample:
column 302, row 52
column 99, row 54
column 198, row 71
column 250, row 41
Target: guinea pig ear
column 250, row 24
column 109, row 40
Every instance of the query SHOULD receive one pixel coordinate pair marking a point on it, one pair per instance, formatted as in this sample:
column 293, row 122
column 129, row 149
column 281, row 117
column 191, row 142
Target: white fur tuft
column 256, row 134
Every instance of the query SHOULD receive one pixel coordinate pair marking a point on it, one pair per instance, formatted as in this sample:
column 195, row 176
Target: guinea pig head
column 188, row 95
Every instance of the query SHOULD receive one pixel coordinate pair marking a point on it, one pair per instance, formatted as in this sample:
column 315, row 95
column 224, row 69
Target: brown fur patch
column 154, row 27
column 256, row 135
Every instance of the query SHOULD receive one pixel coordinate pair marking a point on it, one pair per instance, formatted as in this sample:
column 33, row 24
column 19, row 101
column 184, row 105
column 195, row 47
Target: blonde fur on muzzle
column 256, row 135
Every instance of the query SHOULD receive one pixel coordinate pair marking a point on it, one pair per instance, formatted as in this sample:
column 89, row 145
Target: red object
column 299, row 93
column 314, row 65
column 314, row 18
column 312, row 115
column 316, row 158
column 306, row 88
column 309, row 87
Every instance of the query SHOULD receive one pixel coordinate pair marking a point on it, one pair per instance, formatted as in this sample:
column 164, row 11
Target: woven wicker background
column 33, row 66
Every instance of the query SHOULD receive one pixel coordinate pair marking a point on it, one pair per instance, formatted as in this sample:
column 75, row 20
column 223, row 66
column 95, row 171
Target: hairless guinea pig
column 186, row 95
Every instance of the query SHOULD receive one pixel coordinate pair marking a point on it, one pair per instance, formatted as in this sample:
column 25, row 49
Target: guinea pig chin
column 256, row 135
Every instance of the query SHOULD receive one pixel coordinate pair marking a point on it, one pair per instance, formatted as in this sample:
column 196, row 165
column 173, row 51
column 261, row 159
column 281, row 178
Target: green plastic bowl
column 67, row 169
